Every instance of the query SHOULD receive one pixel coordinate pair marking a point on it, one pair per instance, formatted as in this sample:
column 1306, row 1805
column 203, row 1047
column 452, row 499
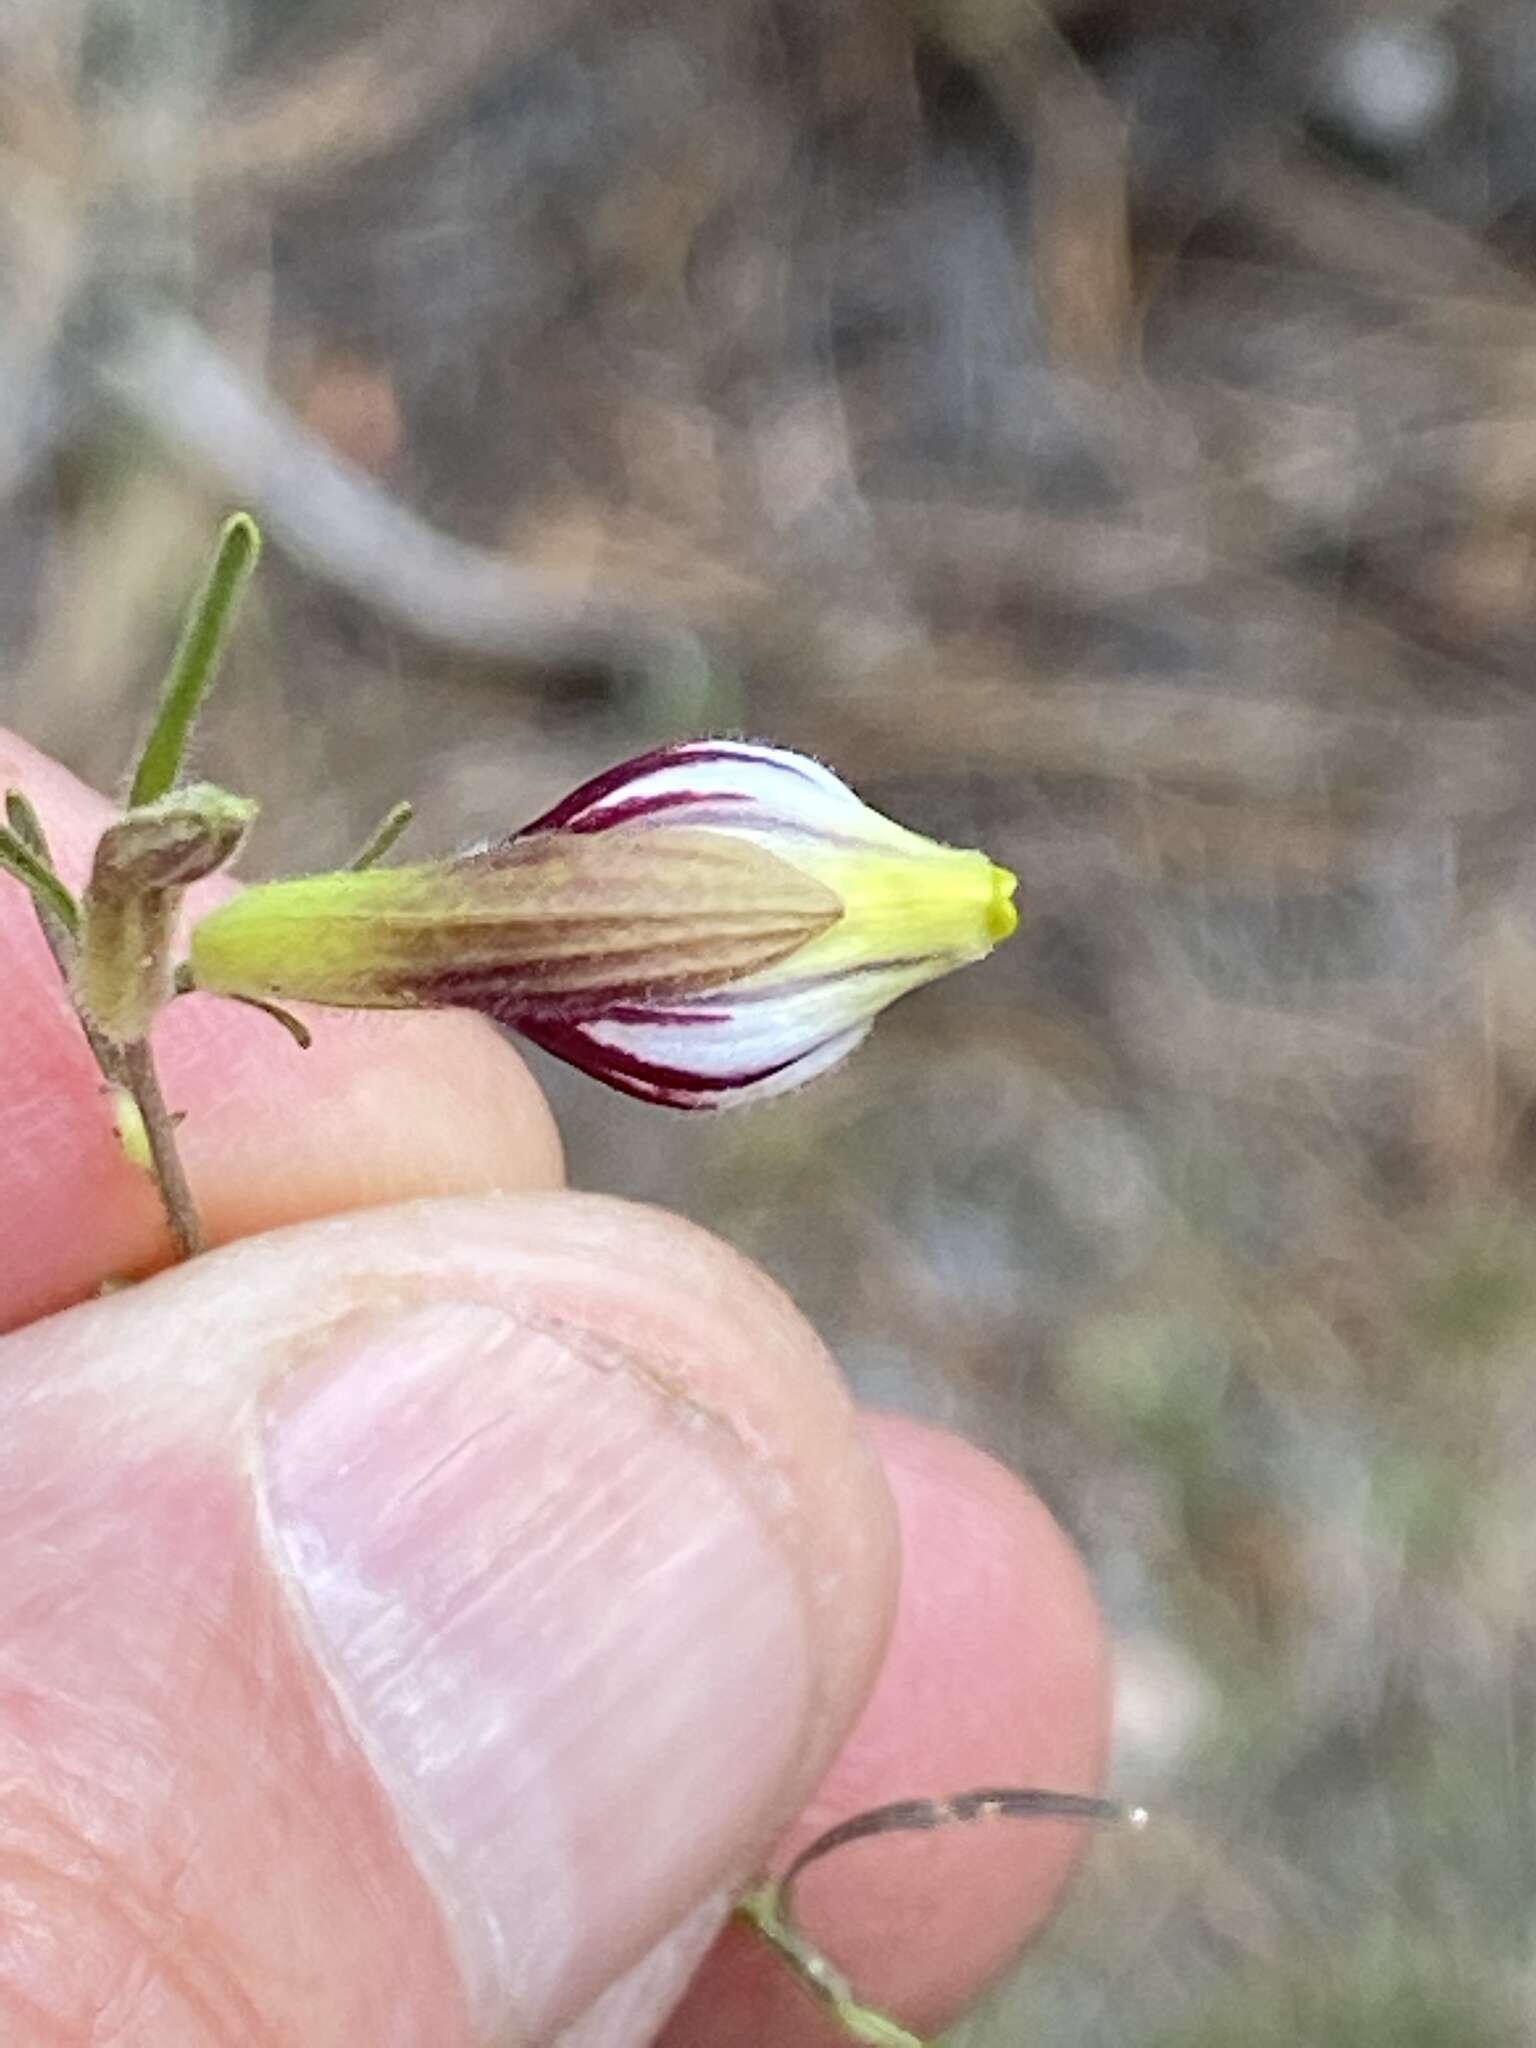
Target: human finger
column 996, row 1675
column 411, row 1620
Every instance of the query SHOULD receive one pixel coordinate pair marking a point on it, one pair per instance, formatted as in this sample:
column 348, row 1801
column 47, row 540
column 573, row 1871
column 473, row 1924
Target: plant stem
column 769, row 1906
column 130, row 1067
column 133, row 1067
column 765, row 1909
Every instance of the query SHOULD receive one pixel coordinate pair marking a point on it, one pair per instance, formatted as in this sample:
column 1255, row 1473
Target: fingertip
column 380, row 1109
column 997, row 1675
column 1000, row 1642
column 559, row 1509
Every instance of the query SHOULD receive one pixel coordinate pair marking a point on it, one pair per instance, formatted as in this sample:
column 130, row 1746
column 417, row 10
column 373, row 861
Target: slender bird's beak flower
column 709, row 924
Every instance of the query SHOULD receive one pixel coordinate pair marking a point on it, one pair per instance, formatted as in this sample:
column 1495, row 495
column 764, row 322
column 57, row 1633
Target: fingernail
column 557, row 1615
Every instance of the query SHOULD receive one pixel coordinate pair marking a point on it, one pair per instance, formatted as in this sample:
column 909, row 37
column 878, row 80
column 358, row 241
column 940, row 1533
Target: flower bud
column 711, row 923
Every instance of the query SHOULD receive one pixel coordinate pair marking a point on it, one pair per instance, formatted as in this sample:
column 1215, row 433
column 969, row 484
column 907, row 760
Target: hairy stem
column 133, row 1067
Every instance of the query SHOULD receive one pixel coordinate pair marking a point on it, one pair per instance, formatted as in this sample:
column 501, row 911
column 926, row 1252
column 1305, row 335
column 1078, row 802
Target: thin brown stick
column 172, row 377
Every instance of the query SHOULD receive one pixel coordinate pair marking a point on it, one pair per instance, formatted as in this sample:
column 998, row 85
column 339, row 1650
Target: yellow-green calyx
column 561, row 916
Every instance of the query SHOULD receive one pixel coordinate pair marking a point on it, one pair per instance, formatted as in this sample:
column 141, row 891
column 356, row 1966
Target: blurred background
column 1107, row 432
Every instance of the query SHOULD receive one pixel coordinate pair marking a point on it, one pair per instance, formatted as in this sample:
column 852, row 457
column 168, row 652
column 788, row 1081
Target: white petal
column 789, row 1078
column 746, row 1031
column 728, row 784
column 658, row 1062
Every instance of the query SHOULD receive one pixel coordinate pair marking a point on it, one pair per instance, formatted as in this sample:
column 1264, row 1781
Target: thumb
column 412, row 1624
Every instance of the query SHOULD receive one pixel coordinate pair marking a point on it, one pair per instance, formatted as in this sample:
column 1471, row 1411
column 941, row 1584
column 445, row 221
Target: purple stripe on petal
column 711, row 808
column 565, row 815
column 680, row 1087
column 525, row 1010
column 648, row 1013
column 634, row 1076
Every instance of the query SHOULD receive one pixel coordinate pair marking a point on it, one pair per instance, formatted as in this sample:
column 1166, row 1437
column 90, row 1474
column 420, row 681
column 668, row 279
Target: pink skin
column 213, row 1840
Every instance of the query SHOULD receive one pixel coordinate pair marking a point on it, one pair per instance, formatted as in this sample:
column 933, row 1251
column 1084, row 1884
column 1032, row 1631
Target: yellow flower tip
column 1002, row 912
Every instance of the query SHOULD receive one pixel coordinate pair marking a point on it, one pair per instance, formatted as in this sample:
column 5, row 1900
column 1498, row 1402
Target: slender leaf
column 48, row 892
column 383, row 836
column 195, row 663
column 27, row 825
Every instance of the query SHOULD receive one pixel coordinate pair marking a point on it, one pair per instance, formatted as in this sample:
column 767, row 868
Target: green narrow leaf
column 27, row 825
column 48, row 892
column 195, row 663
column 383, row 836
